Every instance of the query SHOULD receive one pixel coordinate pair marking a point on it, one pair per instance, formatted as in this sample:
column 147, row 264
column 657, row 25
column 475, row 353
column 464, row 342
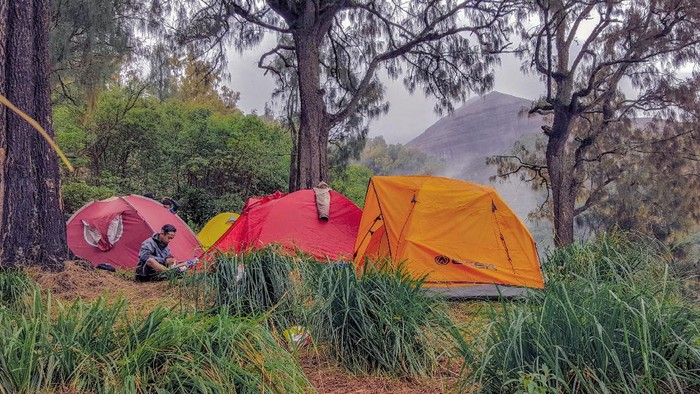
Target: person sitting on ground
column 171, row 204
column 155, row 257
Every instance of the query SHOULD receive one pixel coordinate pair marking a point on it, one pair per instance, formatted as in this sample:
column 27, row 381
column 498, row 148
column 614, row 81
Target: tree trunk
column 32, row 226
column 560, row 168
column 313, row 124
column 294, row 159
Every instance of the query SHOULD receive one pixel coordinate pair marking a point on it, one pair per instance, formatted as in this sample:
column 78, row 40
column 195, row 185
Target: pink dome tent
column 111, row 231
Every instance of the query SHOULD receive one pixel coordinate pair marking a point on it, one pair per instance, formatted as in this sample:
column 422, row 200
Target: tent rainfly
column 112, row 230
column 215, row 228
column 461, row 235
column 294, row 222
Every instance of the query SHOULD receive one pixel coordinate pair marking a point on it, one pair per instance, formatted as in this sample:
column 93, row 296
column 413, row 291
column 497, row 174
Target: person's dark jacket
column 152, row 248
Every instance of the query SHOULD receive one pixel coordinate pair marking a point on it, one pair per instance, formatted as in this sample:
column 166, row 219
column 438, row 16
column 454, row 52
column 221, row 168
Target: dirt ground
column 81, row 281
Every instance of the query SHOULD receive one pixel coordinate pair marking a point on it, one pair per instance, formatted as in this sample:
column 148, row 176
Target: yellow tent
column 462, row 235
column 215, row 228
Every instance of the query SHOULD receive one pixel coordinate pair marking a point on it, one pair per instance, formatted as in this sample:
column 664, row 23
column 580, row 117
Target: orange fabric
column 456, row 232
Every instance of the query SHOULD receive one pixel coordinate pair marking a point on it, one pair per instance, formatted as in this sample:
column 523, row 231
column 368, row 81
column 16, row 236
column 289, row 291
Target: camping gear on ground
column 112, row 230
column 106, row 267
column 190, row 263
column 215, row 228
column 461, row 235
column 296, row 336
column 292, row 221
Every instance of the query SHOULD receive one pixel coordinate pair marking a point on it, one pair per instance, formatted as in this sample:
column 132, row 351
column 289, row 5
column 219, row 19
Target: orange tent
column 461, row 235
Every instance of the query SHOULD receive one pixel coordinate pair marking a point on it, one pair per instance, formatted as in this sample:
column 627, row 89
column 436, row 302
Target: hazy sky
column 409, row 115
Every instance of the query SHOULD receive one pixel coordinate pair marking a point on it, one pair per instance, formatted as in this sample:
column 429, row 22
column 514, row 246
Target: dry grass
column 80, row 280
column 329, row 378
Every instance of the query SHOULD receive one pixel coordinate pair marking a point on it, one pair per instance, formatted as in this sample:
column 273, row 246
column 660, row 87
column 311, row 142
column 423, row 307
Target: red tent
column 111, row 231
column 292, row 220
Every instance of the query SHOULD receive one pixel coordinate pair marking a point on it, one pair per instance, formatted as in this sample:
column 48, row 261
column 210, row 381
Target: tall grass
column 15, row 287
column 382, row 322
column 592, row 338
column 616, row 258
column 609, row 320
column 264, row 282
column 94, row 347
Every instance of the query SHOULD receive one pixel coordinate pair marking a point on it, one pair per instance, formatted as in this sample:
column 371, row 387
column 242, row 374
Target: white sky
column 409, row 115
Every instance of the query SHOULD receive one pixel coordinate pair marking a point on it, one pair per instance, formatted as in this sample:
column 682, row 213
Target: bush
column 76, row 194
column 382, row 322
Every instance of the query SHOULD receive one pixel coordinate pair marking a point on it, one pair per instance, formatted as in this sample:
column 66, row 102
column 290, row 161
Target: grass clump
column 15, row 287
column 610, row 319
column 625, row 258
column 263, row 282
column 590, row 338
column 383, row 321
column 95, row 347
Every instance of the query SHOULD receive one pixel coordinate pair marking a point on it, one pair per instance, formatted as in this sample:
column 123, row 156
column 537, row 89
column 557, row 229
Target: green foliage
column 383, row 321
column 75, row 194
column 609, row 320
column 352, row 183
column 622, row 258
column 97, row 348
column 204, row 153
column 396, row 159
column 15, row 286
column 539, row 382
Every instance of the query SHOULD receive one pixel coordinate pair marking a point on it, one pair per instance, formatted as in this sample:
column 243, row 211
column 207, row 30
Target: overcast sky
column 409, row 115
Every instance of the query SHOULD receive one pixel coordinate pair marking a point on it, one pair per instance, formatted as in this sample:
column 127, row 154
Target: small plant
column 540, row 382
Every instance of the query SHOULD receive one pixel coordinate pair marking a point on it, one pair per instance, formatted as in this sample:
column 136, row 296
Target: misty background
column 411, row 115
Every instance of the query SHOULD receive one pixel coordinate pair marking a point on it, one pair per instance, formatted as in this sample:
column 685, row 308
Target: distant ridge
column 485, row 125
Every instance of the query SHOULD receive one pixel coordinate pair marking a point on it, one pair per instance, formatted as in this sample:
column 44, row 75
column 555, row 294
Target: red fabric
column 291, row 220
column 141, row 217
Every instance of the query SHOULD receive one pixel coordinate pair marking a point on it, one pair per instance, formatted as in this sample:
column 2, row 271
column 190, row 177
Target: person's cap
column 169, row 228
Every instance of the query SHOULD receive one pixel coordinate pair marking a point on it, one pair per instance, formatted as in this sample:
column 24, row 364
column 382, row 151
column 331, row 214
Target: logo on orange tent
column 444, row 260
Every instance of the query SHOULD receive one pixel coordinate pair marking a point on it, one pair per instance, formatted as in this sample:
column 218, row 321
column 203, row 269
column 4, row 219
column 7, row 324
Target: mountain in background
column 486, row 125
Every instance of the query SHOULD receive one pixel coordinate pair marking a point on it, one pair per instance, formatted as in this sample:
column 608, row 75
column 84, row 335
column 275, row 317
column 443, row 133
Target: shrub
column 382, row 322
column 78, row 193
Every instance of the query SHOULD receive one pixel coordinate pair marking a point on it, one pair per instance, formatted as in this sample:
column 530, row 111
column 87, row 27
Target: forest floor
column 82, row 281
